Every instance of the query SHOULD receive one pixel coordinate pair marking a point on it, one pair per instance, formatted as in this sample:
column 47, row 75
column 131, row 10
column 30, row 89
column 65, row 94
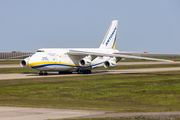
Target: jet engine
column 110, row 63
column 85, row 62
column 24, row 62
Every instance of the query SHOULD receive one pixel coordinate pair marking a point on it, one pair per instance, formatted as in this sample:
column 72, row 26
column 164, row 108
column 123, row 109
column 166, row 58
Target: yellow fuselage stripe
column 44, row 63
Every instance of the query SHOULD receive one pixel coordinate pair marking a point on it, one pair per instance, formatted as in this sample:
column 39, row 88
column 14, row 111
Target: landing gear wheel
column 84, row 71
column 40, row 73
column 65, row 72
column 45, row 73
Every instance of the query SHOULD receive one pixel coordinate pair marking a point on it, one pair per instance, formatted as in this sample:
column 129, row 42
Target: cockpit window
column 40, row 50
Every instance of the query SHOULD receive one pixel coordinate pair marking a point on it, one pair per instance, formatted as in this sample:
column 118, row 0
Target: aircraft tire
column 40, row 73
column 45, row 73
column 64, row 72
column 85, row 72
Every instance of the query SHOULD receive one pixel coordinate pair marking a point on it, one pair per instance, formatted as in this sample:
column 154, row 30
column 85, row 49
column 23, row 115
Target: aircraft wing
column 75, row 52
column 20, row 56
column 129, row 52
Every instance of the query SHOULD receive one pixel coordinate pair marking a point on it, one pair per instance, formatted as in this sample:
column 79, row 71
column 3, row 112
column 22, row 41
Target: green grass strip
column 153, row 117
column 142, row 92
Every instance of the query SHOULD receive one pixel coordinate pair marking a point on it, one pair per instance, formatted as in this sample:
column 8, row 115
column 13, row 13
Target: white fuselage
column 53, row 59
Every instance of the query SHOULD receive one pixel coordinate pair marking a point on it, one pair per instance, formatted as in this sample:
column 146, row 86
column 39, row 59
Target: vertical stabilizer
column 109, row 40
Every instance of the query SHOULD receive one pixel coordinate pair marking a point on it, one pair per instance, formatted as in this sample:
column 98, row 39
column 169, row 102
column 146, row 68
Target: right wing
column 120, row 52
column 75, row 52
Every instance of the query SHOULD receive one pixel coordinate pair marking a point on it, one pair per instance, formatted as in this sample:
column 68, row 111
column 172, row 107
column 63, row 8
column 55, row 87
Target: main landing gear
column 41, row 73
column 80, row 71
column 65, row 72
column 84, row 71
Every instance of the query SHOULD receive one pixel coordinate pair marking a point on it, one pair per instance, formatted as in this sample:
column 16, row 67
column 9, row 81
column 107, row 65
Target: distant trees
column 16, row 52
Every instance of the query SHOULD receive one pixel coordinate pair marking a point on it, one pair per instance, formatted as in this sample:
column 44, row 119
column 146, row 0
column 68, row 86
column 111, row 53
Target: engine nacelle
column 85, row 62
column 109, row 63
column 24, row 62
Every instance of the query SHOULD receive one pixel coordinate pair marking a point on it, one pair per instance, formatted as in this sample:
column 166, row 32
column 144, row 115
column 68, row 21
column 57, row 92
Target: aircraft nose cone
column 35, row 59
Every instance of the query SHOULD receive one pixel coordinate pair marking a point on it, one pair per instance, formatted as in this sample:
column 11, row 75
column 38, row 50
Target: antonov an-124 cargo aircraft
column 80, row 60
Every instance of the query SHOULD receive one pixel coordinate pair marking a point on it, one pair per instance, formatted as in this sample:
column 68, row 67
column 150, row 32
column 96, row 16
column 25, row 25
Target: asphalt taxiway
column 36, row 75
column 23, row 113
column 10, row 66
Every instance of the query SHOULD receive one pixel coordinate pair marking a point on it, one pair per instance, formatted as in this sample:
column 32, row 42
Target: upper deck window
column 40, row 50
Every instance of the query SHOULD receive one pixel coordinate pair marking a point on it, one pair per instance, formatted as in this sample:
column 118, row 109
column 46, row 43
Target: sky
column 143, row 25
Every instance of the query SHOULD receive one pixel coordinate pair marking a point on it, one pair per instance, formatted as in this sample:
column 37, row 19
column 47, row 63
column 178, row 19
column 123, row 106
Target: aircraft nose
column 35, row 59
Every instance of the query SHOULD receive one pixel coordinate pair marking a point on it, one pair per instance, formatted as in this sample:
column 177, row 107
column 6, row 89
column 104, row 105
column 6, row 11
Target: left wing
column 75, row 52
column 27, row 55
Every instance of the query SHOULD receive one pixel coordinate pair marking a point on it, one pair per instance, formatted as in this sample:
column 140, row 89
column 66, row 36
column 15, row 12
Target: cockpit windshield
column 40, row 50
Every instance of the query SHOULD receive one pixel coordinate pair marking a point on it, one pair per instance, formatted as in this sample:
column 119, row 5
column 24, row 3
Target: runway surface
column 23, row 113
column 10, row 66
column 36, row 75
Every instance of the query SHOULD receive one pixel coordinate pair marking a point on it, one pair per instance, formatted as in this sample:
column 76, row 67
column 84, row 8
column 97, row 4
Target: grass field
column 17, row 70
column 156, row 117
column 175, row 58
column 140, row 92
column 119, row 67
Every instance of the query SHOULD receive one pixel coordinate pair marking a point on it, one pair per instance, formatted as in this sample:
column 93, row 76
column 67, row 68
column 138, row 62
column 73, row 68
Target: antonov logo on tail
column 110, row 37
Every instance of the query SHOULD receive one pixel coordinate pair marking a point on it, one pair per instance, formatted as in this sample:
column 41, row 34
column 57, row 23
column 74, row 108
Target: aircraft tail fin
column 109, row 40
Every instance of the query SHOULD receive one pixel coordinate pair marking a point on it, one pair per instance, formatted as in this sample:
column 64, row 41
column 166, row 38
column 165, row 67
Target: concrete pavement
column 24, row 113
column 36, row 75
column 10, row 66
